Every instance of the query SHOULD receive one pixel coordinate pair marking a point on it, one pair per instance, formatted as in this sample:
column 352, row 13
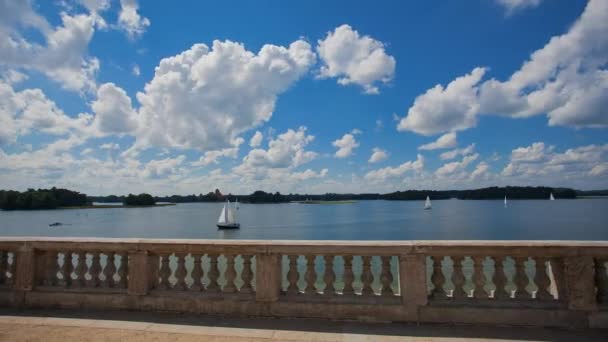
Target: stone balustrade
column 481, row 282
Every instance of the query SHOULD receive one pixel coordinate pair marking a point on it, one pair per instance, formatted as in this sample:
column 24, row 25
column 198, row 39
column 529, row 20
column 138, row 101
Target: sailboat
column 227, row 219
column 427, row 204
column 551, row 198
column 505, row 201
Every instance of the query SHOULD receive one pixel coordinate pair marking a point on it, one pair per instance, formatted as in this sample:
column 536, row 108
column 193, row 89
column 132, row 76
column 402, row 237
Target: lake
column 580, row 219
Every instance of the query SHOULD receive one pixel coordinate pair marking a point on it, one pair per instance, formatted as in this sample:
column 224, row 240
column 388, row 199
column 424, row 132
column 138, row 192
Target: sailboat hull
column 228, row 225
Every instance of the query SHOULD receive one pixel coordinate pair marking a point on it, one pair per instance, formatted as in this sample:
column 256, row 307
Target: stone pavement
column 63, row 325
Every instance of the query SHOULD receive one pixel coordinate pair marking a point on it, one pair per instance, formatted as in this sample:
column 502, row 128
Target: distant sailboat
column 505, row 201
column 236, row 204
column 551, row 198
column 427, row 204
column 227, row 219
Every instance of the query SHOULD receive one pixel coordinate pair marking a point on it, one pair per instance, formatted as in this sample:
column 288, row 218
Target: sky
column 120, row 96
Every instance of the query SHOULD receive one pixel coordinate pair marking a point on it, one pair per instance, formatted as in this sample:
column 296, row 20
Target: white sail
column 427, row 204
column 222, row 218
column 230, row 216
column 505, row 201
column 551, row 197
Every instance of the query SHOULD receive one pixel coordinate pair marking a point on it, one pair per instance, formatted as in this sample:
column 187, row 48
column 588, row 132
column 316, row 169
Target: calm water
column 581, row 219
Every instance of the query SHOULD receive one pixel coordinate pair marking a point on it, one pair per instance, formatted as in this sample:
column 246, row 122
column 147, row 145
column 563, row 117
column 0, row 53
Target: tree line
column 56, row 198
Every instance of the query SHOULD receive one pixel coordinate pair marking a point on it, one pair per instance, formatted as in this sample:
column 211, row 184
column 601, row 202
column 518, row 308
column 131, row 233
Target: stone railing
column 481, row 282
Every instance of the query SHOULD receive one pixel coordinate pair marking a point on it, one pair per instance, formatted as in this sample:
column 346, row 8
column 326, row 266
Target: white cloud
column 450, row 168
column 512, row 6
column 356, row 131
column 14, row 77
column 345, row 145
column 482, row 169
column 256, row 139
column 211, row 157
column 457, row 152
column 442, row 109
column 381, row 175
column 114, row 113
column 539, row 163
column 62, row 57
column 23, row 111
column 130, row 21
column 191, row 102
column 288, row 150
column 447, row 140
column 378, row 155
column 135, row 71
column 109, row 146
column 355, row 59
column 567, row 80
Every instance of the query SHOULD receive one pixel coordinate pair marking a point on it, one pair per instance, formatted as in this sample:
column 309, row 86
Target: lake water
column 580, row 219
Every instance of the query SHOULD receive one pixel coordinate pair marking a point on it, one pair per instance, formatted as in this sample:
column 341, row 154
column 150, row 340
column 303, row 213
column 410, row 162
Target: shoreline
column 111, row 206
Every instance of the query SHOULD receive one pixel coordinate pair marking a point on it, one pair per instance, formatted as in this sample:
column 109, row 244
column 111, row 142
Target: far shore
column 113, row 206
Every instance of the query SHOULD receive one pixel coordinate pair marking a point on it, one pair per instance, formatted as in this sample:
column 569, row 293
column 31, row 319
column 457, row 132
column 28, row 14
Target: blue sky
column 108, row 96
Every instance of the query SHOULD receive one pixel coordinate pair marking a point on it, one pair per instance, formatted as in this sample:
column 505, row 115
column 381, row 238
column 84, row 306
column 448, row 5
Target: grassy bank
column 325, row 202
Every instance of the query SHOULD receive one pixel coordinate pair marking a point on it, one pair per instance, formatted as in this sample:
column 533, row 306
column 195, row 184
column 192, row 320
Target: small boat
column 427, row 204
column 227, row 219
column 551, row 198
column 505, row 201
column 55, row 224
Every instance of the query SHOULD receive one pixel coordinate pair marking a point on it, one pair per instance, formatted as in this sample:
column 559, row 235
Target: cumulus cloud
column 450, row 168
column 345, row 145
column 62, row 57
column 512, row 6
column 457, row 152
column 482, row 169
column 355, row 59
column 113, row 110
column 567, row 80
column 442, row 109
column 211, row 157
column 256, row 139
column 130, row 21
column 22, row 112
column 191, row 102
column 539, row 161
column 447, row 140
column 378, row 155
column 381, row 175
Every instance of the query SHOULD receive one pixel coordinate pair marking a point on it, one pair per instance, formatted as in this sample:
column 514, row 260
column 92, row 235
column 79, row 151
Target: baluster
column 164, row 273
column 292, row 275
column 197, row 273
column 109, row 270
column 310, row 276
column 438, row 279
column 500, row 279
column 81, row 270
column 246, row 274
column 66, row 269
column 123, row 270
column 386, row 277
column 12, row 268
column 180, row 272
column 458, row 278
column 601, row 280
column 521, row 278
column 479, row 278
column 3, row 266
column 95, row 270
column 51, row 268
column 367, row 278
column 213, row 274
column 330, row 277
column 230, row 274
column 542, row 280
column 349, row 276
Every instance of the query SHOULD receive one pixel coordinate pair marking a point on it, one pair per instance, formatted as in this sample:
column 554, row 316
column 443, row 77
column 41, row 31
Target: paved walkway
column 56, row 325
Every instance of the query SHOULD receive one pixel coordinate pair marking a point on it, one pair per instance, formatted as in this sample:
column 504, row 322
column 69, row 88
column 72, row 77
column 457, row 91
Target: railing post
column 267, row 277
column 139, row 271
column 412, row 279
column 25, row 257
column 580, row 282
